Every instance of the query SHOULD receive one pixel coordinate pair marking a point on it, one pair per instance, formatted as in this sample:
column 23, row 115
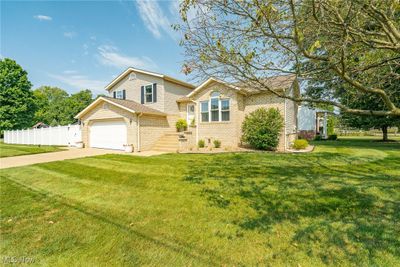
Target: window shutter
column 124, row 94
column 115, row 94
column 142, row 95
column 154, row 92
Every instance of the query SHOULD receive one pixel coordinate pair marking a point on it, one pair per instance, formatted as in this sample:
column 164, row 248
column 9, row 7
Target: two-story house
column 143, row 107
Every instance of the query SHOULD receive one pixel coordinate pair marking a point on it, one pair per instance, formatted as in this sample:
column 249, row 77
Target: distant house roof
column 40, row 125
column 165, row 77
column 127, row 105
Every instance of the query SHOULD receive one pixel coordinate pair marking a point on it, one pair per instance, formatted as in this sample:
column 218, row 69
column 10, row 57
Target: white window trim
column 187, row 112
column 122, row 94
column 152, row 94
column 208, row 111
column 219, row 110
column 227, row 110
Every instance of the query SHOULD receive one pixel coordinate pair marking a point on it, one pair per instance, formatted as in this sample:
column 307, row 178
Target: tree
column 16, row 99
column 76, row 103
column 370, row 102
column 51, row 102
column 246, row 41
column 56, row 107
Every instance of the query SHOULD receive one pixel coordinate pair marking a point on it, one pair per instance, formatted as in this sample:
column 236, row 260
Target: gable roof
column 209, row 81
column 127, row 105
column 159, row 75
column 275, row 83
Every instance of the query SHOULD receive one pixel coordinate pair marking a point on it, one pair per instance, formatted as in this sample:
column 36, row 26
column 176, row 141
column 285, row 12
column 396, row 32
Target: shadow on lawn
column 329, row 203
column 171, row 245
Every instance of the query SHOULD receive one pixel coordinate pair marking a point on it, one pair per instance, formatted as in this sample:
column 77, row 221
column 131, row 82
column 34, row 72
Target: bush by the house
column 308, row 135
column 318, row 137
column 201, row 143
column 261, row 128
column 217, row 143
column 300, row 144
column 181, row 125
column 332, row 137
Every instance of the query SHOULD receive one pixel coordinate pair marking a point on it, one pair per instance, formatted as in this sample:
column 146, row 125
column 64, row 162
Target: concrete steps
column 168, row 142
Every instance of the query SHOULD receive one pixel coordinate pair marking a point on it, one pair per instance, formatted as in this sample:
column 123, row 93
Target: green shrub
column 181, row 125
column 318, row 137
column 300, row 144
column 201, row 143
column 217, row 143
column 261, row 128
column 332, row 137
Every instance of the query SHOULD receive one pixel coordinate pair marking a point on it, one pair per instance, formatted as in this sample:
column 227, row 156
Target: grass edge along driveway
column 338, row 206
column 12, row 150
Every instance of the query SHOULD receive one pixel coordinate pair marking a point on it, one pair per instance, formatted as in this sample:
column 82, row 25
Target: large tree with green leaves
column 57, row 107
column 246, row 41
column 17, row 106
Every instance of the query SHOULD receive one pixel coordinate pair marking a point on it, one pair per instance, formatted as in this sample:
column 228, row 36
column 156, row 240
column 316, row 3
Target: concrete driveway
column 70, row 153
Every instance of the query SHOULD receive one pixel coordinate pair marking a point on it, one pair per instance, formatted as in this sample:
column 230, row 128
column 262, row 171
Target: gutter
column 138, row 130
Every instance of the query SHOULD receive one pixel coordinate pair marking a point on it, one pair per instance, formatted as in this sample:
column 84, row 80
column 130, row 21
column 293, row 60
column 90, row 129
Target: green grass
column 338, row 206
column 11, row 150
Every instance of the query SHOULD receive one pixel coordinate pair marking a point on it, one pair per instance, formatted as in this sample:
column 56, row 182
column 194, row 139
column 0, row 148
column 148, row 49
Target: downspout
column 138, row 131
column 284, row 112
column 197, row 116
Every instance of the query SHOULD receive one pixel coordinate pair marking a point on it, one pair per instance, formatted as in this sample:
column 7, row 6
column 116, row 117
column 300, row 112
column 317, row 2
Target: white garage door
column 108, row 134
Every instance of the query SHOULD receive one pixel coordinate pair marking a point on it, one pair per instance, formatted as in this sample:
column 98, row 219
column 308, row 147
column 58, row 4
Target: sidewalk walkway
column 70, row 153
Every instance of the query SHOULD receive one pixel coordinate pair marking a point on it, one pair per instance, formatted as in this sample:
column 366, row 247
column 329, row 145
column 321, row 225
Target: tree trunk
column 385, row 133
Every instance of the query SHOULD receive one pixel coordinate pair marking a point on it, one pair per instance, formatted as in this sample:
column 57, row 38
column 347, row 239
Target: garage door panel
column 108, row 134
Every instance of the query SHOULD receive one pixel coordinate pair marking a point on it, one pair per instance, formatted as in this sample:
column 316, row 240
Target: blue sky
column 84, row 44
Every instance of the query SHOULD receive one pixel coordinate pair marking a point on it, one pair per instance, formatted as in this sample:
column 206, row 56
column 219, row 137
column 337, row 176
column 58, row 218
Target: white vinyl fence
column 59, row 135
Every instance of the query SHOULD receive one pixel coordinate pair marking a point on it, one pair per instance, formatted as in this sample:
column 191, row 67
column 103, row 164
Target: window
column 219, row 109
column 149, row 93
column 204, row 111
column 214, row 109
column 119, row 94
column 225, row 110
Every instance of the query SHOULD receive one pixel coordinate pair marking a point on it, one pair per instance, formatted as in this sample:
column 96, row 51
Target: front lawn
column 11, row 150
column 338, row 206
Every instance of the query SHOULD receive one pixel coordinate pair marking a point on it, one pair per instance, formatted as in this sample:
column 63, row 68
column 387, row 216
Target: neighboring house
column 40, row 125
column 143, row 107
column 312, row 121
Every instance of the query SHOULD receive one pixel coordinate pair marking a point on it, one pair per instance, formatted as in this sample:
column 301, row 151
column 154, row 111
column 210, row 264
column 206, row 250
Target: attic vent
column 105, row 106
column 132, row 76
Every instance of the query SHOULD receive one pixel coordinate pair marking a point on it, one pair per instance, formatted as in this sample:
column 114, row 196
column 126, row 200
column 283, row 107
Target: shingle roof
column 183, row 99
column 275, row 83
column 134, row 106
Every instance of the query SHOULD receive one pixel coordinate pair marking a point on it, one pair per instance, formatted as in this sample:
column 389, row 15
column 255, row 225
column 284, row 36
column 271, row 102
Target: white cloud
column 109, row 55
column 155, row 19
column 75, row 80
column 43, row 18
column 70, row 72
column 69, row 35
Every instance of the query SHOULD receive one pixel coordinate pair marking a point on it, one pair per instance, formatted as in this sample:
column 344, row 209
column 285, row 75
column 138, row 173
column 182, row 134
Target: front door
column 190, row 113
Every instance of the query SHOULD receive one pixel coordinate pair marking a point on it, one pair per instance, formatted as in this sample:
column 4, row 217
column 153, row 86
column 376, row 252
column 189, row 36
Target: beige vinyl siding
column 173, row 92
column 133, row 89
